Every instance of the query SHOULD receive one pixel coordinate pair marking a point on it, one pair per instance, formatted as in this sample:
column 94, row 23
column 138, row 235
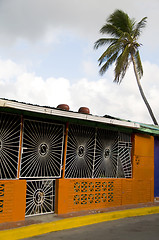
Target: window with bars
column 80, row 152
column 98, row 153
column 42, row 150
column 9, row 145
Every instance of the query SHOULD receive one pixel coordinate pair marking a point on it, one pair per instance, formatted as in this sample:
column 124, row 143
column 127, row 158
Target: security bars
column 91, row 153
column 98, row 153
column 80, row 152
column 124, row 168
column 106, row 154
column 42, row 150
column 9, row 145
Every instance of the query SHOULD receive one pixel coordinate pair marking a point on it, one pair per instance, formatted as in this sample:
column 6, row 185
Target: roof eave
column 66, row 114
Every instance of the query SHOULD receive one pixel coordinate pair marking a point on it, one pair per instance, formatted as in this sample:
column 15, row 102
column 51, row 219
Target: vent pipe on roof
column 63, row 107
column 84, row 110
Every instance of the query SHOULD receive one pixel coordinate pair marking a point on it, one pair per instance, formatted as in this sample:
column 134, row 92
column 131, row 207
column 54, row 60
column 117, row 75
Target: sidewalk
column 37, row 225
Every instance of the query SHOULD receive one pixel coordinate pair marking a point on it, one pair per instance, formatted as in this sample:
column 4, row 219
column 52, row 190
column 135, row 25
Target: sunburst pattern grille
column 40, row 197
column 98, row 153
column 124, row 167
column 106, row 154
column 42, row 150
column 9, row 145
column 80, row 152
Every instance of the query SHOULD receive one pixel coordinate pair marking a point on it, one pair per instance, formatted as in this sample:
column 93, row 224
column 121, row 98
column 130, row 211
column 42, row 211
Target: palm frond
column 103, row 41
column 138, row 64
column 121, row 20
column 121, row 66
column 139, row 26
column 110, row 51
column 126, row 66
column 111, row 29
column 108, row 63
column 117, row 46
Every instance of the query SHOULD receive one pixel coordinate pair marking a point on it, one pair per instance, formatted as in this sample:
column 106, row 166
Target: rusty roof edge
column 56, row 112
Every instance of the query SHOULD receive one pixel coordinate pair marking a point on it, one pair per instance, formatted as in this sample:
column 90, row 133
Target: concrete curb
column 74, row 222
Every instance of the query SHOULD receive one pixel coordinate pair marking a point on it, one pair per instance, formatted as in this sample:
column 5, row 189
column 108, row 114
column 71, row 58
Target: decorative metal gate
column 40, row 197
column 9, row 145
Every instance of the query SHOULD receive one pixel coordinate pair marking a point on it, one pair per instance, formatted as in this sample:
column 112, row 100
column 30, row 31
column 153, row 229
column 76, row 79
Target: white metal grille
column 9, row 145
column 97, row 153
column 40, row 196
column 124, row 167
column 42, row 150
column 80, row 152
column 106, row 154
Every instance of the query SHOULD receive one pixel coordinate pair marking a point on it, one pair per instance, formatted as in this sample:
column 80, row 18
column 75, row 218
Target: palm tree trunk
column 142, row 93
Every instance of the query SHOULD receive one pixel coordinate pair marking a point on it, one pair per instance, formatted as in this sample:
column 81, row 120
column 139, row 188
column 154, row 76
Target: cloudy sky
column 47, row 56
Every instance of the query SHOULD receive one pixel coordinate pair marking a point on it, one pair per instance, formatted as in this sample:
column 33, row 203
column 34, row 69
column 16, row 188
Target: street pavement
column 134, row 228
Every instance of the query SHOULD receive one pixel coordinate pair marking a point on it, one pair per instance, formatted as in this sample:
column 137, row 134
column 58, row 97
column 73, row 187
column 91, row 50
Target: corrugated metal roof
column 150, row 129
column 146, row 128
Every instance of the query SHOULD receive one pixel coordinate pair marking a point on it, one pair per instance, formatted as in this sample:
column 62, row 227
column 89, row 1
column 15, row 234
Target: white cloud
column 9, row 70
column 102, row 96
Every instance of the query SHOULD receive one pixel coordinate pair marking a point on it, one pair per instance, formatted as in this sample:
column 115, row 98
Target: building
column 56, row 160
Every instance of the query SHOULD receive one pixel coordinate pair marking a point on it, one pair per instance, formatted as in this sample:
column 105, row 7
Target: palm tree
column 123, row 49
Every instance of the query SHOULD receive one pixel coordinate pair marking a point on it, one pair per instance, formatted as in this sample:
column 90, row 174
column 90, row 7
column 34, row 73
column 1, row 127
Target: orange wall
column 143, row 157
column 86, row 194
column 143, row 166
column 12, row 200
